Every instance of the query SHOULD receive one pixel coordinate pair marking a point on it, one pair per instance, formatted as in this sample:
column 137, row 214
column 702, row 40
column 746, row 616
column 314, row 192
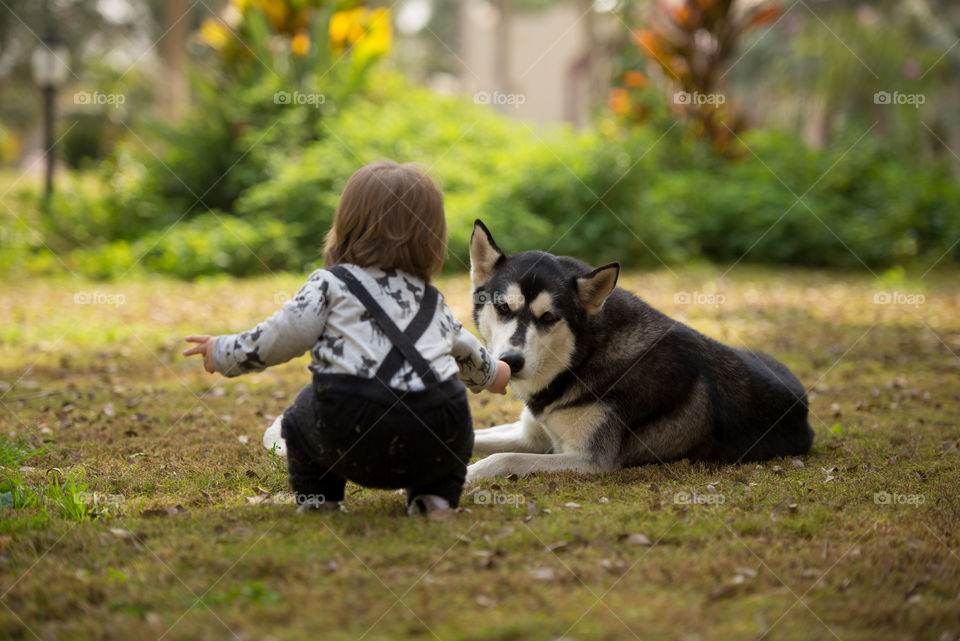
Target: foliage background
column 243, row 185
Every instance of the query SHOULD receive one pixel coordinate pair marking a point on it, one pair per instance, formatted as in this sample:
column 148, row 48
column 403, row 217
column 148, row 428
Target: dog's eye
column 548, row 318
column 503, row 308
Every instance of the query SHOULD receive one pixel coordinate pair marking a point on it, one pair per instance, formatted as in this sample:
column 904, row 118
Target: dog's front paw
column 272, row 438
column 493, row 465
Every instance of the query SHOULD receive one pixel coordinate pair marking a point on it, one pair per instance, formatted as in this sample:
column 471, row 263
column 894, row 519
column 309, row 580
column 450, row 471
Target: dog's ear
column 484, row 254
column 594, row 288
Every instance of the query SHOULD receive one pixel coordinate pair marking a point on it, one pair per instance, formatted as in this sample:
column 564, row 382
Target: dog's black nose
column 514, row 360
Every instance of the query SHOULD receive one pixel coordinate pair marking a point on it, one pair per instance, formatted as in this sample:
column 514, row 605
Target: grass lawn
column 138, row 502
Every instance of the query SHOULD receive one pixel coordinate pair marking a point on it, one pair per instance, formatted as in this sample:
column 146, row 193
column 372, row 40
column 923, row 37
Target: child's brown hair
column 389, row 216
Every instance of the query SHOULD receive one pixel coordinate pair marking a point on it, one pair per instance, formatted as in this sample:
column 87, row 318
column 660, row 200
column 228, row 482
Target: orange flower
column 635, row 79
column 765, row 16
column 300, row 44
column 648, row 42
column 619, row 101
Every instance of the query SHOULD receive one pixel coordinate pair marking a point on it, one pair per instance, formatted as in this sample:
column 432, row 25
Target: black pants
column 347, row 428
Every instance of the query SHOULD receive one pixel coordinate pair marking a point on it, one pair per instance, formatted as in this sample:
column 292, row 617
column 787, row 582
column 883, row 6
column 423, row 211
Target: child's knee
column 300, row 414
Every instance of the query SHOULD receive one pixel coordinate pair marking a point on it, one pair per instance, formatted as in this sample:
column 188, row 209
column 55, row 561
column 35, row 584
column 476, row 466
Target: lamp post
column 49, row 67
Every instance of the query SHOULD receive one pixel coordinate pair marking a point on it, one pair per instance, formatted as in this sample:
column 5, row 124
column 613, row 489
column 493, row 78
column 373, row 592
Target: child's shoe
column 314, row 505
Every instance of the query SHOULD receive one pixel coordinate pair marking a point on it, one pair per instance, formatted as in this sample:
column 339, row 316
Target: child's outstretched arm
column 204, row 346
column 479, row 370
column 502, row 379
column 286, row 334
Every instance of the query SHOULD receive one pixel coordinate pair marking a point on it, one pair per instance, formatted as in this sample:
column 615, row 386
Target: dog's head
column 533, row 308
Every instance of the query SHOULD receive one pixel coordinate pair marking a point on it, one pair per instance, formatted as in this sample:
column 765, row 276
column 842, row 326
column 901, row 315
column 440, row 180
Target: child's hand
column 503, row 377
column 204, row 346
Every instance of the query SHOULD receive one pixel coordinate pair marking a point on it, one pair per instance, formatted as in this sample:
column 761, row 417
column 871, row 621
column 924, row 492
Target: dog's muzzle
column 515, row 360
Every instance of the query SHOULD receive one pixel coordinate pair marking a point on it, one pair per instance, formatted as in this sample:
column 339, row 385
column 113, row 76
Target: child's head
column 390, row 216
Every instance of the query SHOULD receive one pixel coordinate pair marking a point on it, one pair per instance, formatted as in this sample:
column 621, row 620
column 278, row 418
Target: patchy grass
column 176, row 538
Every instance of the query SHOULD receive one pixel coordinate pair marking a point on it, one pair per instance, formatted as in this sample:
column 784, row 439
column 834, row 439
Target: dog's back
column 683, row 393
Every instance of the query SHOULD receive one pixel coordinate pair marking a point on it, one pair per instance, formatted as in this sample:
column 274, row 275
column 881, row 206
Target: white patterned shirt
column 329, row 321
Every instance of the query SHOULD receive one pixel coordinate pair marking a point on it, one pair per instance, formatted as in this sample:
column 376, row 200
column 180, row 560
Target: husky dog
column 609, row 382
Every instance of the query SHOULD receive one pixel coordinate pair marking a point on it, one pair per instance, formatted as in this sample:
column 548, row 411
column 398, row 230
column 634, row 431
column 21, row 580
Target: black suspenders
column 404, row 342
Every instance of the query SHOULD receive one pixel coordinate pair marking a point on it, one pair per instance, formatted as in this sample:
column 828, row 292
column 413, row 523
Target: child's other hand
column 503, row 377
column 204, row 346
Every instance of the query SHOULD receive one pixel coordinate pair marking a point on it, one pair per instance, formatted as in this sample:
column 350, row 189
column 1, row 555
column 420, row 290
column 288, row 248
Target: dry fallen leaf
column 542, row 574
column 614, row 567
column 749, row 573
column 638, row 539
column 257, row 500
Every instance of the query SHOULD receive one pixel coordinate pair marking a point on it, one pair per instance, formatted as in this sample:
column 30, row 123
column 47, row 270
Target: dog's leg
column 272, row 440
column 521, row 464
column 525, row 435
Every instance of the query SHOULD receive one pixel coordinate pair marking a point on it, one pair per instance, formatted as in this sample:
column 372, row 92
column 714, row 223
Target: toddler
column 386, row 407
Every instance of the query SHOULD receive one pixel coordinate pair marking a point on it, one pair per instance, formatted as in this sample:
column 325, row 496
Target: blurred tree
column 690, row 42
column 97, row 35
column 177, row 25
column 820, row 71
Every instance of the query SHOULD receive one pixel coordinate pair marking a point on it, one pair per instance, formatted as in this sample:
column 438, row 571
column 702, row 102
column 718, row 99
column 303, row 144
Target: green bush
column 641, row 197
column 465, row 147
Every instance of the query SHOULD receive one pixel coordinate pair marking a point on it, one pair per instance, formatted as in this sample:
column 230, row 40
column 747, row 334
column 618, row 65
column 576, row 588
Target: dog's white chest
column 571, row 429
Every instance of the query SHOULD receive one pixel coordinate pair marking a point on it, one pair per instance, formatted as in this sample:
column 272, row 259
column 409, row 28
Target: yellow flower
column 276, row 12
column 214, row 34
column 368, row 32
column 341, row 24
column 379, row 34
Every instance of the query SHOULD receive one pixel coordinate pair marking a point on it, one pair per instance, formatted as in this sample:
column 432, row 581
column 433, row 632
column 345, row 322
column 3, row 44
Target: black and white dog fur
column 608, row 382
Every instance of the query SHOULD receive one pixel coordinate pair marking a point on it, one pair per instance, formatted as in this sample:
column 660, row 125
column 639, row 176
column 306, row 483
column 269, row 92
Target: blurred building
column 541, row 65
